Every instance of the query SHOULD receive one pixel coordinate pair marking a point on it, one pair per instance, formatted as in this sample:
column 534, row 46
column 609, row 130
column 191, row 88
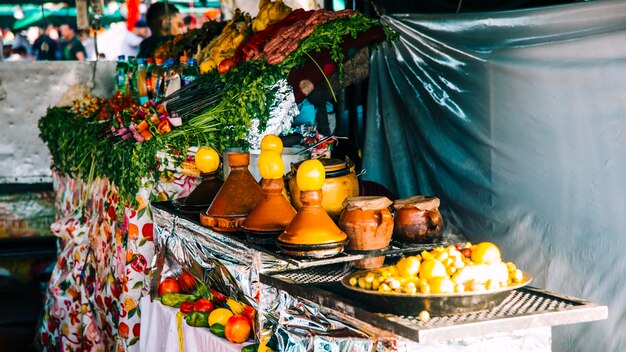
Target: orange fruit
column 271, row 165
column 207, row 160
column 237, row 329
column 311, row 175
column 220, row 316
column 486, row 253
column 272, row 143
column 432, row 268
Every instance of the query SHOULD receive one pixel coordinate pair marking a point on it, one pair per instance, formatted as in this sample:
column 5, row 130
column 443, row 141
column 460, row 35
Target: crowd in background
column 65, row 42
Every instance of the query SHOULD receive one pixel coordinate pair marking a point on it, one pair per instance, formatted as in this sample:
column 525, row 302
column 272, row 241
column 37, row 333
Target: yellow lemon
column 220, row 316
column 272, row 143
column 271, row 165
column 432, row 268
column 441, row 284
column 408, row 267
column 486, row 253
column 311, row 175
column 207, row 160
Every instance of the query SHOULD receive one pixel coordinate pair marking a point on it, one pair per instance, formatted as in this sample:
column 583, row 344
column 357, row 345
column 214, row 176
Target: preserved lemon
column 271, row 165
column 272, row 143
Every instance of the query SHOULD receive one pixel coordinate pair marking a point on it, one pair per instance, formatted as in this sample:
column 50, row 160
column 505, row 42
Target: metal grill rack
column 278, row 261
column 524, row 308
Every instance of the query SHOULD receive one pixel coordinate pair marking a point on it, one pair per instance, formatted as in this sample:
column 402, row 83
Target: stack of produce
column 205, row 307
column 190, row 43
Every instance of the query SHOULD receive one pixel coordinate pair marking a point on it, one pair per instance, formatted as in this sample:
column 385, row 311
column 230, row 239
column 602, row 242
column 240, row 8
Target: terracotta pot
column 205, row 192
column 369, row 225
column 367, row 229
column 341, row 182
column 418, row 221
column 271, row 216
column 236, row 198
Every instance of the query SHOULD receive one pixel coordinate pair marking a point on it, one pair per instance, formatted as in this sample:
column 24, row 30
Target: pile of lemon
column 461, row 268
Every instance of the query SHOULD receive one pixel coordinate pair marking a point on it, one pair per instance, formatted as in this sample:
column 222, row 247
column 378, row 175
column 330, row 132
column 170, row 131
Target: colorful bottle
column 149, row 84
column 120, row 74
column 190, row 73
column 142, row 92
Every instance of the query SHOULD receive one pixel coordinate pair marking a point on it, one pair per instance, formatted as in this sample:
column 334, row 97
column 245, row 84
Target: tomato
column 218, row 298
column 187, row 282
column 203, row 305
column 168, row 285
column 186, row 307
column 225, row 66
column 250, row 313
column 237, row 328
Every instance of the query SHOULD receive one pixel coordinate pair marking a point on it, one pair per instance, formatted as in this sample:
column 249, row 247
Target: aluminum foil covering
column 282, row 112
column 302, row 325
column 233, row 268
column 27, row 89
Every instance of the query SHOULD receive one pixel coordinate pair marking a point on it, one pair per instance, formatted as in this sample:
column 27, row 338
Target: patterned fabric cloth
column 103, row 265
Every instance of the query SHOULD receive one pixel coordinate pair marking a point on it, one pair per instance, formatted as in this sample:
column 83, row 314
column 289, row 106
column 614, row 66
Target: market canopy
column 40, row 17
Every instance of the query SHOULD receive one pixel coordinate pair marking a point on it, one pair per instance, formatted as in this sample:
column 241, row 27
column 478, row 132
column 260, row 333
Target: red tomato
column 203, row 305
column 187, row 282
column 225, row 66
column 186, row 307
column 250, row 313
column 168, row 285
column 237, row 329
column 218, row 298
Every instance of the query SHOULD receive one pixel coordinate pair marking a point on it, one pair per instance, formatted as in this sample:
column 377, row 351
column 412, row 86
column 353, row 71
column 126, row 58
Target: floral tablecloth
column 103, row 265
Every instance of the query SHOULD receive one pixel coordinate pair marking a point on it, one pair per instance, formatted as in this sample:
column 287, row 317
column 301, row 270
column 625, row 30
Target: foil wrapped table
column 305, row 306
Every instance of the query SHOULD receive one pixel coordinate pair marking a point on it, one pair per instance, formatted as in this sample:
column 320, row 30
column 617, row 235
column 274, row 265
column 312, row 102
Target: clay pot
column 236, row 198
column 312, row 233
column 201, row 196
column 369, row 225
column 417, row 220
column 271, row 216
column 341, row 182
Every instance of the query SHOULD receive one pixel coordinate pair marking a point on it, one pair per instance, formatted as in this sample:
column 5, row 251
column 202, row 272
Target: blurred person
column 164, row 24
column 190, row 23
column 71, row 47
column 44, row 47
column 19, row 53
column 132, row 39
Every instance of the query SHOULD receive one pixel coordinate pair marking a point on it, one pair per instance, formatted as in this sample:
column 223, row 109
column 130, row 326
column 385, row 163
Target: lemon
column 311, row 175
column 272, row 143
column 220, row 316
column 441, row 284
column 408, row 267
column 486, row 253
column 271, row 165
column 432, row 268
column 207, row 160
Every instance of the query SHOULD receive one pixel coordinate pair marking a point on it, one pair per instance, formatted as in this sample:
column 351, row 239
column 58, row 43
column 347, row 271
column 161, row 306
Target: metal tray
column 523, row 308
column 435, row 304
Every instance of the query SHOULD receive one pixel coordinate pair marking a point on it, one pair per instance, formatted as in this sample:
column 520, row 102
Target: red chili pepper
column 186, row 307
column 164, row 127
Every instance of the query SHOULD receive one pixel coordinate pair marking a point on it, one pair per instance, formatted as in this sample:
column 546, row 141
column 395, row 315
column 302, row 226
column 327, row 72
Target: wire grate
column 518, row 303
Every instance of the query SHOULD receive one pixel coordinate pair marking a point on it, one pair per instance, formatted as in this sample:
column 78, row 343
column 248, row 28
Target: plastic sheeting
column 516, row 121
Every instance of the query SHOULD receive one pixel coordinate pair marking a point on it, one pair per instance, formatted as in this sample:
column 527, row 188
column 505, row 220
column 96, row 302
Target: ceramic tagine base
column 271, row 216
column 201, row 197
column 312, row 233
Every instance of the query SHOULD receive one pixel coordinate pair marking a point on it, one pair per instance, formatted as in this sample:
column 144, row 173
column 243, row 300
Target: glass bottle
column 149, row 83
column 120, row 74
column 190, row 73
column 142, row 92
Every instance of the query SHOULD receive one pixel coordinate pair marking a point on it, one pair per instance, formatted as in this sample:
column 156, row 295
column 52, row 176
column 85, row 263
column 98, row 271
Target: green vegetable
column 217, row 329
column 172, row 299
column 250, row 348
column 198, row 319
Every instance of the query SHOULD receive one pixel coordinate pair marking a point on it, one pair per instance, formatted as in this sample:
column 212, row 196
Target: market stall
column 156, row 237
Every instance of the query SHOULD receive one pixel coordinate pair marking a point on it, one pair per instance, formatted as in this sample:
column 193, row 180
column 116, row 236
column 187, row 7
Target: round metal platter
column 436, row 304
